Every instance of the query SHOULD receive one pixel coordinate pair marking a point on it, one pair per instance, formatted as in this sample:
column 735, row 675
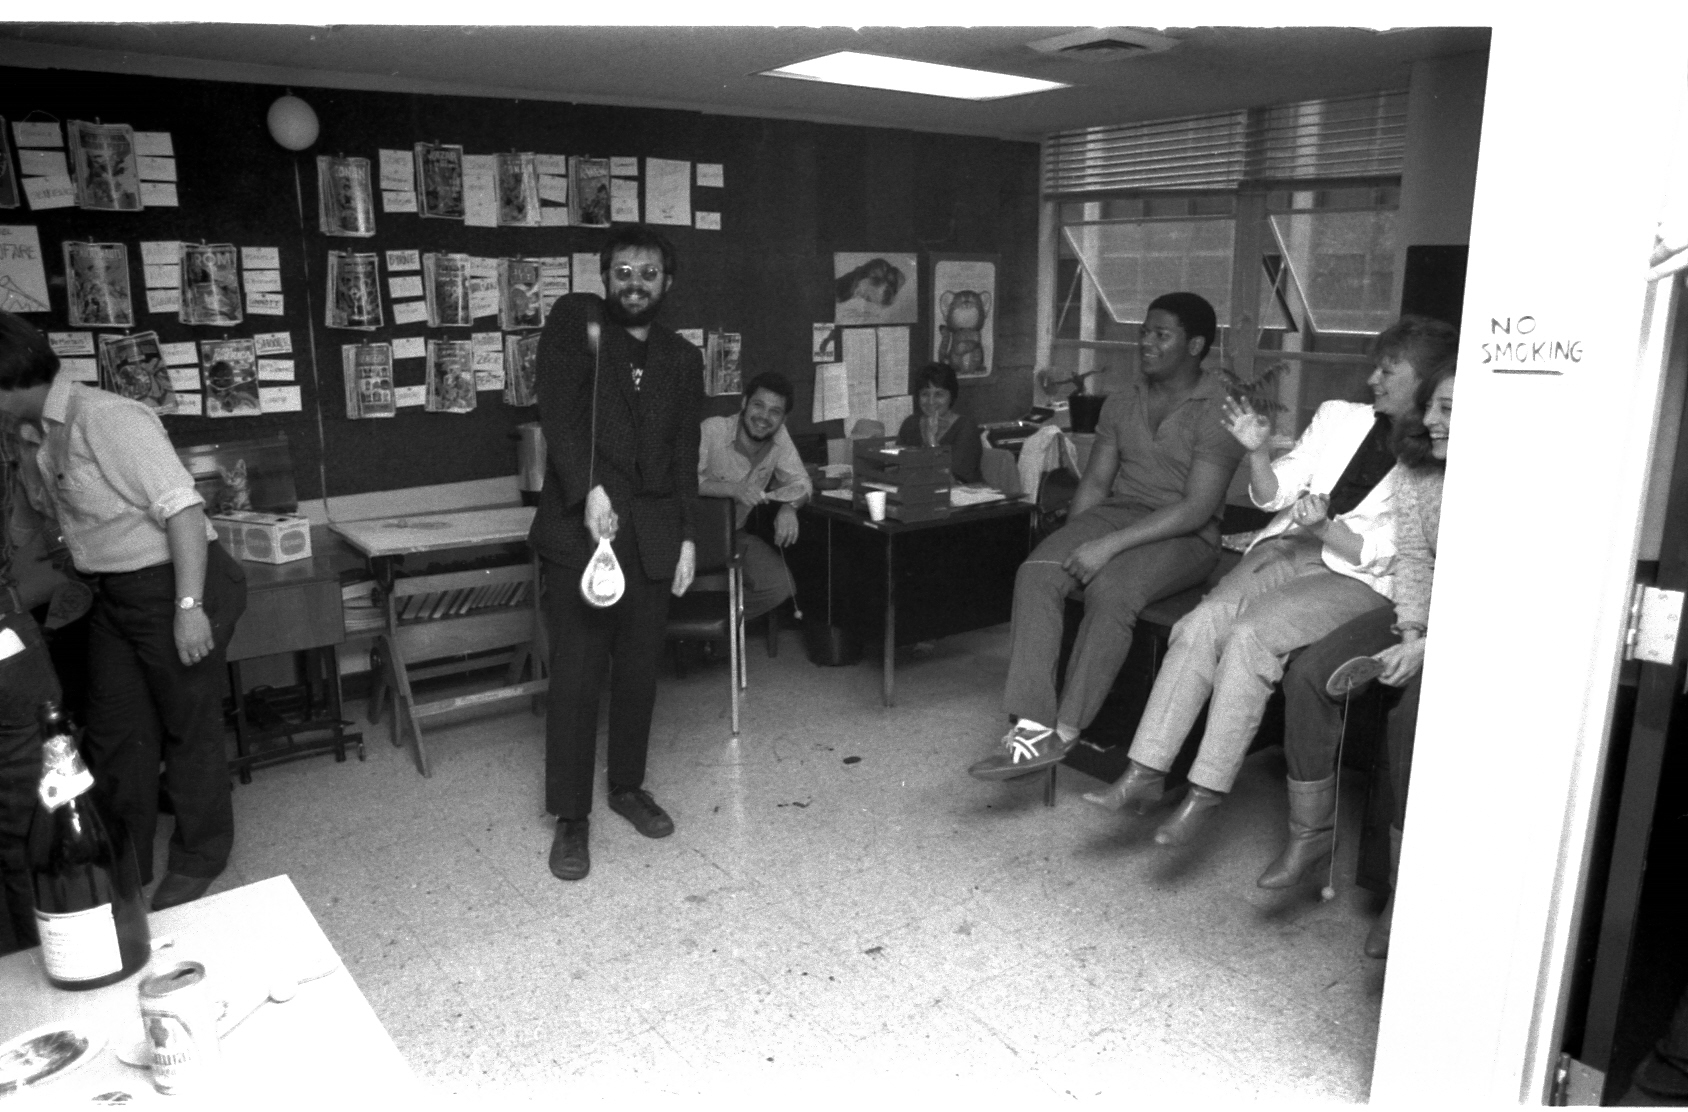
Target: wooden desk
column 323, row 1048
column 909, row 581
column 412, row 648
column 293, row 608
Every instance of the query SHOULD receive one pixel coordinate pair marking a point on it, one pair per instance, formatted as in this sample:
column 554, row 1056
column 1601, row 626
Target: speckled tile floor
column 841, row 910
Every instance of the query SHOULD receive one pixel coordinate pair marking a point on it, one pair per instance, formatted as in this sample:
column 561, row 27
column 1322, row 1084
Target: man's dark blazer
column 647, row 439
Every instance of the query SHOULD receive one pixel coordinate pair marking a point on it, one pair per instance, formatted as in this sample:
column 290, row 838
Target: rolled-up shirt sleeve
column 137, row 461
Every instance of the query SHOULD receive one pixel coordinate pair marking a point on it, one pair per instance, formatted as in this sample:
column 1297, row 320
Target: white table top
column 400, row 536
column 325, row 1046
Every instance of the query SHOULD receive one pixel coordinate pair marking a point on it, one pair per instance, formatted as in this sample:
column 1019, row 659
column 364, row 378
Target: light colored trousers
column 1232, row 647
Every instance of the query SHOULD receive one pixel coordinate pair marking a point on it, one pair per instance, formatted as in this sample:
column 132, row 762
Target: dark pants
column 584, row 642
column 144, row 704
column 1313, row 720
column 26, row 680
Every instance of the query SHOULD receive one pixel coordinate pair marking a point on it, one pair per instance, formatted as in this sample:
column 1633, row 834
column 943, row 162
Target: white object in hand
column 602, row 583
column 876, row 505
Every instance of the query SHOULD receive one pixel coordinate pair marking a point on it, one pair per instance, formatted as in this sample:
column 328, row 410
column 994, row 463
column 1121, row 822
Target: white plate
column 50, row 1051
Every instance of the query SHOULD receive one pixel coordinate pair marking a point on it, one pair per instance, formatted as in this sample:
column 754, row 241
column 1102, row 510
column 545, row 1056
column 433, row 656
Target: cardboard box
column 264, row 538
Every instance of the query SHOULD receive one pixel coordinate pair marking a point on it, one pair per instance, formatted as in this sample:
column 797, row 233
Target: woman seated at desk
column 937, row 425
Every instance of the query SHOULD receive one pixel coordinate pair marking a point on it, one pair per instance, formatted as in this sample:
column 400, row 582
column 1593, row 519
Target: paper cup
column 876, row 505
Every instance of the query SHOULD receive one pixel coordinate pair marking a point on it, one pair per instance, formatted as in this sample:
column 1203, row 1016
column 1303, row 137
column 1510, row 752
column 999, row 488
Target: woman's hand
column 1088, row 559
column 1251, row 429
column 1311, row 512
column 1401, row 662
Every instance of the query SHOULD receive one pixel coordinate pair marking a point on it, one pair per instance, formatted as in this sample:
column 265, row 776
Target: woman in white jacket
column 1324, row 559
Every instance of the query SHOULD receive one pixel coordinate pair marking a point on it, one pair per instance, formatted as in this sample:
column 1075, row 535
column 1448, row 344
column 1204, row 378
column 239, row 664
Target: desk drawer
column 289, row 617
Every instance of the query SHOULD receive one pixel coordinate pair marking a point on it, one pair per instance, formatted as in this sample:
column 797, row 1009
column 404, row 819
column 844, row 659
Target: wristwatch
column 188, row 602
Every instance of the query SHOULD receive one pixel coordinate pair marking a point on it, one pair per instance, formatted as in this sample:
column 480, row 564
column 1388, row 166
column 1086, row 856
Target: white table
column 323, row 1047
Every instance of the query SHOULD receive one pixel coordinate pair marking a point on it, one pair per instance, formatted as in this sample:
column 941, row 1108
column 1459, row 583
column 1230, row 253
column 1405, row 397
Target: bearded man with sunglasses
column 620, row 400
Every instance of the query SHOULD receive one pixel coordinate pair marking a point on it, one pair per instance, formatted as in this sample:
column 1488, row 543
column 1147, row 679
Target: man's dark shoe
column 178, row 889
column 569, row 859
column 638, row 808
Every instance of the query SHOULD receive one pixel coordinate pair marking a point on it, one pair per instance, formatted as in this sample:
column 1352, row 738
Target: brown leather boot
column 1140, row 788
column 1312, row 833
column 1190, row 816
column 1377, row 939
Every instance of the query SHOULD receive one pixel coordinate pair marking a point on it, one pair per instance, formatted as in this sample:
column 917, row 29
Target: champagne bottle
column 82, row 871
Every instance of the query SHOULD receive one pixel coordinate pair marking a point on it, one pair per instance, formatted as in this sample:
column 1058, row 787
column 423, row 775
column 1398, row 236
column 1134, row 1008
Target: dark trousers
column 145, row 705
column 624, row 640
column 1313, row 720
column 26, row 680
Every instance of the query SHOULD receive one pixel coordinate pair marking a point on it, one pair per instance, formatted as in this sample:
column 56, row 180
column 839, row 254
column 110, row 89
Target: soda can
column 180, row 1017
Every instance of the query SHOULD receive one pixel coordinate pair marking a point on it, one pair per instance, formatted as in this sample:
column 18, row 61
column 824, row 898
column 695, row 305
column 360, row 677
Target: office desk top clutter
column 294, row 1028
column 400, row 536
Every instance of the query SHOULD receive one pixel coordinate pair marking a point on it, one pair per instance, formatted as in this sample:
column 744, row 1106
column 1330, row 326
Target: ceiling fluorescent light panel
column 901, row 75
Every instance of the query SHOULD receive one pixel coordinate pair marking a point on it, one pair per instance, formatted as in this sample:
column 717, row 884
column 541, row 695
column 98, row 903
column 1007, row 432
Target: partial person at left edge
column 166, row 601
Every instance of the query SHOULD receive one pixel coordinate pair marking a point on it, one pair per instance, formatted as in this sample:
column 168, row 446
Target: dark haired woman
column 1395, row 638
column 938, row 425
column 875, row 282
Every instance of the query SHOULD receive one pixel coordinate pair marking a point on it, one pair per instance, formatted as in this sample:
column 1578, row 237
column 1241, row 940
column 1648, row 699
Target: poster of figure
column 368, row 371
column 210, row 284
column 520, row 303
column 231, row 378
column 345, row 201
column 875, row 288
column 439, row 180
column 445, row 281
column 107, row 176
column 451, row 376
column 354, row 291
column 521, row 368
column 133, row 366
column 721, row 362
column 589, row 192
column 9, row 195
column 963, row 301
column 97, row 285
column 518, row 191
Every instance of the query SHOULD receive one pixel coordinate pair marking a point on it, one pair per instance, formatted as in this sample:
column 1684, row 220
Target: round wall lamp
column 293, row 123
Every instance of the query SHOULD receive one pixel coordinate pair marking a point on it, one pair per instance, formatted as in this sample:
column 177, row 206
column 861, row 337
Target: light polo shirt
column 1154, row 464
column 112, row 477
column 778, row 469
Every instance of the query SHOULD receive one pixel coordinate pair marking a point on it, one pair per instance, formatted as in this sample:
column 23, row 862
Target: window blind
column 1346, row 137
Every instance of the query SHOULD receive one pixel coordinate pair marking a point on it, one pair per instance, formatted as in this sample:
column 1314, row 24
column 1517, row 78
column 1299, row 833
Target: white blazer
column 1313, row 466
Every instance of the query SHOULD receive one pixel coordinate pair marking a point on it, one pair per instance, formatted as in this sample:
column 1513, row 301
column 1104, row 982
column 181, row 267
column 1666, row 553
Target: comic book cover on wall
column 97, row 285
column 589, row 192
column 521, row 369
column 9, row 196
column 354, row 293
column 518, row 191
column 439, row 180
column 451, row 376
column 345, row 203
column 107, row 176
column 231, row 378
column 210, row 284
column 445, row 282
column 133, row 367
column 520, row 300
column 368, row 370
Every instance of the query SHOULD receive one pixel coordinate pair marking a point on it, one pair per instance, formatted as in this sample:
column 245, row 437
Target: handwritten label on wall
column 1516, row 346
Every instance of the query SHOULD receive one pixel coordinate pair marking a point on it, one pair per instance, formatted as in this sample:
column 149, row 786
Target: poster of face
column 345, row 202
column 963, row 329
column 231, row 378
column 521, row 364
column 107, row 176
column 518, row 191
column 445, row 281
column 589, row 192
column 875, row 288
column 97, row 285
column 520, row 300
column 8, row 171
column 354, row 291
column 133, row 367
column 210, row 284
column 368, row 371
column 451, row 376
column 439, row 180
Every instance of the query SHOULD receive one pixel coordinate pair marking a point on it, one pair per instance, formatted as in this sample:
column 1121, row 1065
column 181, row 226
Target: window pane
column 1132, row 264
column 1341, row 264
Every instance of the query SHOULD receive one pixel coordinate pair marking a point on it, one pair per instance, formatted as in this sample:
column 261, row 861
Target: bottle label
column 79, row 945
column 62, row 783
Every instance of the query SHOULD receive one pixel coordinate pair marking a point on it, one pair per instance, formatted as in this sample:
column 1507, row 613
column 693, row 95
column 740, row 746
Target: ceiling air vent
column 1104, row 44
